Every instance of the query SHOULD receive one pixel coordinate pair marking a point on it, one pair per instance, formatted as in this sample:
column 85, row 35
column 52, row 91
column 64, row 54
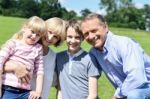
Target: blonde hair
column 58, row 26
column 34, row 23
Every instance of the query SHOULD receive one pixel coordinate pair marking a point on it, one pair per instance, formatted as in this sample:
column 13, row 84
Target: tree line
column 42, row 8
column 120, row 13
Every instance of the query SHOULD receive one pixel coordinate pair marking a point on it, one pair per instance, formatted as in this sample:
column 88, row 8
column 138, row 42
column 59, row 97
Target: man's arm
column 93, row 88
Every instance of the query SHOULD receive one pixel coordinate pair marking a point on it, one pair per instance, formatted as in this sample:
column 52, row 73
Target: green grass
column 10, row 25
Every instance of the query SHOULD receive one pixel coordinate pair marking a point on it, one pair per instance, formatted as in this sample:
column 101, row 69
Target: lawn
column 10, row 25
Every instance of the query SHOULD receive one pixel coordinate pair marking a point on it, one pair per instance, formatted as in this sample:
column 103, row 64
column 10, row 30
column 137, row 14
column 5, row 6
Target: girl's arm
column 93, row 88
column 39, row 83
column 39, row 71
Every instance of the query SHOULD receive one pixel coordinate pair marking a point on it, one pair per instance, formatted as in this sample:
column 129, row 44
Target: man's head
column 94, row 28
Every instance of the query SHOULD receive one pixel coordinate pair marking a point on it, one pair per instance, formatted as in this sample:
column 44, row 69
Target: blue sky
column 78, row 5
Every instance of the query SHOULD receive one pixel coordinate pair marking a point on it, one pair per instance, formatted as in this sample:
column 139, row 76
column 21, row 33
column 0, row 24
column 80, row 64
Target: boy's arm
column 59, row 94
column 93, row 84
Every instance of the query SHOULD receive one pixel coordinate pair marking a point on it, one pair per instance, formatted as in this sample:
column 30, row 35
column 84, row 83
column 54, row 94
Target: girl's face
column 30, row 37
column 73, row 40
column 50, row 39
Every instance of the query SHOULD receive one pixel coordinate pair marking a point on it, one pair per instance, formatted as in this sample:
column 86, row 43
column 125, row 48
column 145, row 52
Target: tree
column 85, row 12
column 114, row 5
column 28, row 8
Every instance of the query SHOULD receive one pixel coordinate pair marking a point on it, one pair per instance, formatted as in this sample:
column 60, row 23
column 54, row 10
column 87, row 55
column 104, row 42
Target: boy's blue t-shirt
column 73, row 73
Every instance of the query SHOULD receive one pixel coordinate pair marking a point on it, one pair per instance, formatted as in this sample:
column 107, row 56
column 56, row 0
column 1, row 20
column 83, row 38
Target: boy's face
column 73, row 40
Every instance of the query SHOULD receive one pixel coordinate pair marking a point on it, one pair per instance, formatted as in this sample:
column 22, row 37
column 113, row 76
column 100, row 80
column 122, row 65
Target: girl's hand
column 34, row 95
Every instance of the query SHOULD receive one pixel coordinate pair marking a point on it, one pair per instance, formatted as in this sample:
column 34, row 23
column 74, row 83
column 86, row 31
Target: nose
column 50, row 37
column 73, row 40
column 34, row 35
column 91, row 35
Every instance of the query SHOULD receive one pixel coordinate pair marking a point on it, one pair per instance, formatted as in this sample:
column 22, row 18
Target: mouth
column 94, row 40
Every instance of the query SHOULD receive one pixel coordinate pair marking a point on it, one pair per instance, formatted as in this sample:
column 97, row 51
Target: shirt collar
column 106, row 44
column 75, row 55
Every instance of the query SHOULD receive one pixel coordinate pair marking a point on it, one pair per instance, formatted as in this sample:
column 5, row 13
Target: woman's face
column 51, row 38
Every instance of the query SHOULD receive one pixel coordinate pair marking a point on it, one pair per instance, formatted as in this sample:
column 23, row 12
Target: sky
column 92, row 5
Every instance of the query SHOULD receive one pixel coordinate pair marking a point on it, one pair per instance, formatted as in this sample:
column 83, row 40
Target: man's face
column 94, row 32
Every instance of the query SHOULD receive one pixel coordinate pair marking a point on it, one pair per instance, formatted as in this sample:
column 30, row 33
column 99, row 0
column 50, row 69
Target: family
column 29, row 68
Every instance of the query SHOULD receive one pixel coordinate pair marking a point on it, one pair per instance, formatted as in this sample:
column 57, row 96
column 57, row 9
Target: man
column 77, row 72
column 121, row 58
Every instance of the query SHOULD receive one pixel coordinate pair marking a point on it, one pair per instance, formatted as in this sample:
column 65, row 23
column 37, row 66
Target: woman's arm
column 20, row 70
column 93, row 88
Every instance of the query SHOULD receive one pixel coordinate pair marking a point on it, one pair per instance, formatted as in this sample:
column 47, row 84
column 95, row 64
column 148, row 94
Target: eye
column 94, row 31
column 77, row 37
column 69, row 36
column 49, row 32
column 56, row 37
column 37, row 34
column 86, row 34
column 32, row 31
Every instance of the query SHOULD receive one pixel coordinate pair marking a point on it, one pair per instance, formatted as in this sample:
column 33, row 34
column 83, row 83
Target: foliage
column 85, row 12
column 120, row 13
column 27, row 8
column 123, row 13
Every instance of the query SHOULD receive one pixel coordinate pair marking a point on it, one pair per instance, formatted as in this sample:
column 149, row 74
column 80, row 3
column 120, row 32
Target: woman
column 55, row 36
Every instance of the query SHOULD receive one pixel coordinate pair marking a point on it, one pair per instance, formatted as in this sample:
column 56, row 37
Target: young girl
column 55, row 36
column 23, row 48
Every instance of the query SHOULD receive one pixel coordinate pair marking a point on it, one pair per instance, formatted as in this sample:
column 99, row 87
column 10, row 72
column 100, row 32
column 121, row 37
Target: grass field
column 9, row 25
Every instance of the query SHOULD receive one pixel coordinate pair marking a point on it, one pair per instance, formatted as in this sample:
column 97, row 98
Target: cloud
column 62, row 1
column 139, row 5
column 101, row 11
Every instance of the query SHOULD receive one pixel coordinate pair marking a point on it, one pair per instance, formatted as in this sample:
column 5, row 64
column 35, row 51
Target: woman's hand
column 19, row 69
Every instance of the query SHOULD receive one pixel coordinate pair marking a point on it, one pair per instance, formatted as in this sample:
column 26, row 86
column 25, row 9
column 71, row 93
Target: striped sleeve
column 6, row 51
column 39, row 62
